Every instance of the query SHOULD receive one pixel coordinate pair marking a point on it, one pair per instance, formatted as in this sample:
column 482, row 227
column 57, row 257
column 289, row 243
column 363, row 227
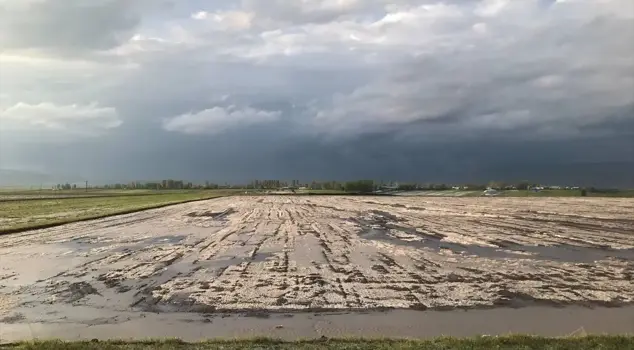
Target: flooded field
column 283, row 255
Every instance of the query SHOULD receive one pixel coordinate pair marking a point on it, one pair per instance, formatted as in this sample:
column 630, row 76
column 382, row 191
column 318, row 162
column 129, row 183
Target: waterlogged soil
column 279, row 255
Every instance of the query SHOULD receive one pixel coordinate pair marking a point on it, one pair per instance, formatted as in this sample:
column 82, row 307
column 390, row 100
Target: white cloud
column 67, row 120
column 430, row 69
column 397, row 63
column 306, row 11
column 217, row 120
column 488, row 8
column 548, row 81
column 200, row 15
column 226, row 20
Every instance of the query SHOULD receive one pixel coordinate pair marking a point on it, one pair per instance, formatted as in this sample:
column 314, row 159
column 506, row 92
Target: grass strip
column 22, row 215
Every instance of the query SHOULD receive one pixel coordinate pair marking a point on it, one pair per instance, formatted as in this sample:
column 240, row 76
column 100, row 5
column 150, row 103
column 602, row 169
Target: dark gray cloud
column 545, row 80
column 260, row 153
column 449, row 91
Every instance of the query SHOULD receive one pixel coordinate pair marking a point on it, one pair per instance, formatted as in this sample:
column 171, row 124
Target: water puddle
column 163, row 240
column 214, row 215
column 91, row 244
column 377, row 226
column 231, row 261
column 143, row 297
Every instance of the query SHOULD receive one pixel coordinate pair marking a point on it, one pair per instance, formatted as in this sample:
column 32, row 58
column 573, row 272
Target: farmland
column 522, row 193
column 257, row 261
column 31, row 209
column 21, row 210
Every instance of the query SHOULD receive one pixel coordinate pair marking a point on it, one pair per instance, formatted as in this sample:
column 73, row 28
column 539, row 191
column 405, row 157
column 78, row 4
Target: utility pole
column 86, row 185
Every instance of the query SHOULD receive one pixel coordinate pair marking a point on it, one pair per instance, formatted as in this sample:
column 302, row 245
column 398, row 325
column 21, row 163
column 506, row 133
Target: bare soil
column 283, row 254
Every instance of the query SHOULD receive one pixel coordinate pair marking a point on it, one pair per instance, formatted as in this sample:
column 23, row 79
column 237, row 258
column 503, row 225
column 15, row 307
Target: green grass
column 37, row 194
column 28, row 191
column 19, row 215
column 32, row 212
column 479, row 343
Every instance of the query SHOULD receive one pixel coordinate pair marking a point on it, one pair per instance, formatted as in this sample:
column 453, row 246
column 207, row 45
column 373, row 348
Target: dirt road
column 255, row 255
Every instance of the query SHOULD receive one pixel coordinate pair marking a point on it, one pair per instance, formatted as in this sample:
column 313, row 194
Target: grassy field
column 479, row 343
column 18, row 215
column 77, row 191
column 6, row 195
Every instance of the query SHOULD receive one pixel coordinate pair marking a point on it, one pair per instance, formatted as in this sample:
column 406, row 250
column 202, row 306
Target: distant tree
column 584, row 192
column 475, row 187
column 361, row 186
column 498, row 185
column 407, row 187
column 522, row 185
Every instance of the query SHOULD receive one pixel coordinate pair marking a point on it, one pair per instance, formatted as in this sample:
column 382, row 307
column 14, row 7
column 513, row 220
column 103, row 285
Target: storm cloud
column 453, row 91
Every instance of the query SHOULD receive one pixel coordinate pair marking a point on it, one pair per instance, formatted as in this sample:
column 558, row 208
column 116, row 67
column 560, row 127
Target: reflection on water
column 377, row 226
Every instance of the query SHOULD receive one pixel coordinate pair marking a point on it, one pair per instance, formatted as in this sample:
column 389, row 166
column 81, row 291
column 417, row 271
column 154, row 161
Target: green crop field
column 17, row 194
column 29, row 209
column 28, row 213
column 479, row 343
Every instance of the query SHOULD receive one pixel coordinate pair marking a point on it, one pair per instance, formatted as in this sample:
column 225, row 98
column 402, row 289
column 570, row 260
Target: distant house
column 390, row 187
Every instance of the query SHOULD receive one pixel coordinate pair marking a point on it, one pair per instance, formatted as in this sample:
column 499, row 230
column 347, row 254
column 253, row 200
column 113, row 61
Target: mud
column 265, row 257
column 377, row 226
column 546, row 321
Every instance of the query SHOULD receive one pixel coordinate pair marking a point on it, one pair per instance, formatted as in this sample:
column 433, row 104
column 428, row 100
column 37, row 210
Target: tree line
column 355, row 186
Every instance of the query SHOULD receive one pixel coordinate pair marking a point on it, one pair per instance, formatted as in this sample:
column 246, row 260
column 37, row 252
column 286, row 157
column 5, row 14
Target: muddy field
column 256, row 255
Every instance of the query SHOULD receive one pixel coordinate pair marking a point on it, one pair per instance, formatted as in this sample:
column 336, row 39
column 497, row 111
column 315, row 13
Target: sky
column 407, row 90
